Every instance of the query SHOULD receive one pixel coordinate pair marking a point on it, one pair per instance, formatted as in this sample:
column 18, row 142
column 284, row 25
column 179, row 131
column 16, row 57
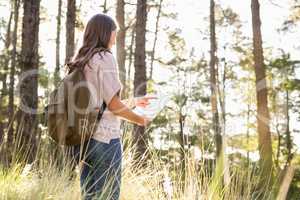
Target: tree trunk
column 5, row 55
column 222, row 103
column 29, row 84
column 213, row 81
column 219, row 166
column 263, row 118
column 12, row 74
column 273, row 100
column 289, row 172
column 155, row 38
column 140, row 82
column 248, row 133
column 58, row 27
column 105, row 9
column 121, row 51
column 130, row 58
column 182, row 142
column 70, row 30
column 289, row 144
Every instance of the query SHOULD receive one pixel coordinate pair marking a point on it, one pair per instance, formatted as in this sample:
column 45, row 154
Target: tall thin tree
column 289, row 143
column 130, row 58
column 263, row 118
column 218, row 175
column 12, row 74
column 58, row 30
column 29, row 82
column 121, row 51
column 6, row 55
column 140, row 80
column 213, row 80
column 5, row 63
column 70, row 29
column 155, row 37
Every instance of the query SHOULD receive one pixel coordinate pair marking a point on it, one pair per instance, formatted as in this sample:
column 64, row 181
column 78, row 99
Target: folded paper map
column 154, row 107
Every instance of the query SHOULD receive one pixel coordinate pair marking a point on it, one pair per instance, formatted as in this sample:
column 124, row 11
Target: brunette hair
column 96, row 38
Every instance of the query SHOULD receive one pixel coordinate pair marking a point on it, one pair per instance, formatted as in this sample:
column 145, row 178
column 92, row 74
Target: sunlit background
column 192, row 21
column 186, row 159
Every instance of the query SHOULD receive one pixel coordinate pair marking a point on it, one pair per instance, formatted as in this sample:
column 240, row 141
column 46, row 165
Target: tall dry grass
column 49, row 178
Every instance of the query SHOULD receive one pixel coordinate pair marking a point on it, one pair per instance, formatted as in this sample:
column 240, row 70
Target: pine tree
column 29, row 85
column 70, row 30
column 263, row 118
column 140, row 80
column 121, row 50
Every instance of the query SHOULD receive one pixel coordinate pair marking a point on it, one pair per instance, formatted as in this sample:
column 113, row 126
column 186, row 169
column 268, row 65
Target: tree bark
column 29, row 85
column 222, row 120
column 213, row 81
column 57, row 57
column 121, row 51
column 273, row 100
column 182, row 142
column 130, row 58
column 105, row 9
column 12, row 74
column 70, row 30
column 289, row 172
column 289, row 144
column 140, row 80
column 5, row 55
column 248, row 133
column 263, row 118
column 155, row 38
column 219, row 166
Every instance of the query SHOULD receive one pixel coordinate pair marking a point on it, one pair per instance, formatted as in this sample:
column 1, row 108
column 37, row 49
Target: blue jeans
column 100, row 176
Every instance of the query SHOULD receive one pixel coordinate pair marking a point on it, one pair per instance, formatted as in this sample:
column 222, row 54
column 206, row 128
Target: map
column 154, row 106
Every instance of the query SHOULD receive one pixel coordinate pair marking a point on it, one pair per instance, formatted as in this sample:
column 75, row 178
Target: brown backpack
column 70, row 118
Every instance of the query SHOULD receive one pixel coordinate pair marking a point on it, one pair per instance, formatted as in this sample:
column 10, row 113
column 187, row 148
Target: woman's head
column 99, row 31
column 99, row 35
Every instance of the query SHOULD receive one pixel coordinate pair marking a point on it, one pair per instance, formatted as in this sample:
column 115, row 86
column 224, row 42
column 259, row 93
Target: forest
column 231, row 129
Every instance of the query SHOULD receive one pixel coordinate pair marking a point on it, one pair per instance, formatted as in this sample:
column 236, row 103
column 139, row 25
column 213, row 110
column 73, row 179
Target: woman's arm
column 130, row 102
column 117, row 107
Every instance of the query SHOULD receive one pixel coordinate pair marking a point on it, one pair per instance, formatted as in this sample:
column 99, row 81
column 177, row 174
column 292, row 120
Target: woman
column 101, row 167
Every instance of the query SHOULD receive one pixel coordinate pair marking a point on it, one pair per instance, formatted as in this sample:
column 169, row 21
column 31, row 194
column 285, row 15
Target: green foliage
column 180, row 100
column 242, row 142
column 282, row 73
column 293, row 18
column 227, row 17
column 44, row 76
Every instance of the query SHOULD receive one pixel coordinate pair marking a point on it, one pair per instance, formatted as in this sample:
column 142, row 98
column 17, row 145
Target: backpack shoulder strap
column 103, row 106
column 101, row 111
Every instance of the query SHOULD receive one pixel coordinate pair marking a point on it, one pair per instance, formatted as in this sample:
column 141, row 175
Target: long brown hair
column 96, row 38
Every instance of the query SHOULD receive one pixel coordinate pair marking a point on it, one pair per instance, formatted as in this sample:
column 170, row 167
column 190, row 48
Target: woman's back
column 102, row 73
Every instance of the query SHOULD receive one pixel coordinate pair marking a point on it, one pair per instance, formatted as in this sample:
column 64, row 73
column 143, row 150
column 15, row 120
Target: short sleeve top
column 103, row 76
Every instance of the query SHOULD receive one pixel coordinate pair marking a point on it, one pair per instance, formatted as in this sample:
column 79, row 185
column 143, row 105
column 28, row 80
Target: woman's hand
column 143, row 101
column 117, row 107
column 145, row 121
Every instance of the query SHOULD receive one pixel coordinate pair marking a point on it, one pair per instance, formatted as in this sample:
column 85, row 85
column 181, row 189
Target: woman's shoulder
column 103, row 56
column 105, row 60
